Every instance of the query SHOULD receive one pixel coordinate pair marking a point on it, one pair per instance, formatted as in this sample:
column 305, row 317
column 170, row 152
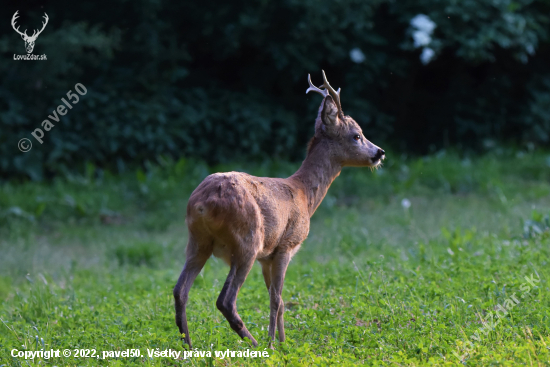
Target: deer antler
column 15, row 16
column 34, row 34
column 43, row 26
column 335, row 94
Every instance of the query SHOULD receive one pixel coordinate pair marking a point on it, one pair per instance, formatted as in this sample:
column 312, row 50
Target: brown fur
column 242, row 218
column 311, row 144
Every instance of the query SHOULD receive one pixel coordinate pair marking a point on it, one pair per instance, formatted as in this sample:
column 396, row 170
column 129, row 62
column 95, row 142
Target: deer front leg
column 266, row 272
column 278, row 271
column 281, row 321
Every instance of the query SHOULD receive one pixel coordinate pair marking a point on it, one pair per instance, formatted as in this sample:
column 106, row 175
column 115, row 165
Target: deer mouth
column 378, row 157
column 376, row 162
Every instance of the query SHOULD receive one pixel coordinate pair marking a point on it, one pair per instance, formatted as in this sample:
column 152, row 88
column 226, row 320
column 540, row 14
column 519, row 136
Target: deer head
column 340, row 134
column 29, row 40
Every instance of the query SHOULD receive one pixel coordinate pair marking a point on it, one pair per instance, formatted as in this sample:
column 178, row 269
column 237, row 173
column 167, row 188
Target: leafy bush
column 220, row 81
column 137, row 254
column 537, row 226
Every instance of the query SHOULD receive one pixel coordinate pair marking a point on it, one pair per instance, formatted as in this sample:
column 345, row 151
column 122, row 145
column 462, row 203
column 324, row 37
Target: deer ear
column 329, row 112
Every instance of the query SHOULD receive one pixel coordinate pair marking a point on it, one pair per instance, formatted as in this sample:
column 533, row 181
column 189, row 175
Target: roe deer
column 242, row 218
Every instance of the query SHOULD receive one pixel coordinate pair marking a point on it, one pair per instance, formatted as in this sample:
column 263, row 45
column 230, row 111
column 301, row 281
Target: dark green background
column 226, row 80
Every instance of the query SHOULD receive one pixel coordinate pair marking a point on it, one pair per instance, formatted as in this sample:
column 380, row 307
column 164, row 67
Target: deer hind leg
column 278, row 271
column 196, row 258
column 227, row 301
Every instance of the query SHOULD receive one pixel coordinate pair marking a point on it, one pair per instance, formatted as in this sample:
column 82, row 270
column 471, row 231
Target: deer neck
column 316, row 174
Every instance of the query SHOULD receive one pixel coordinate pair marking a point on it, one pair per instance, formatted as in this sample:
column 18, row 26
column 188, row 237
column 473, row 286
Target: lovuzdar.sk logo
column 29, row 40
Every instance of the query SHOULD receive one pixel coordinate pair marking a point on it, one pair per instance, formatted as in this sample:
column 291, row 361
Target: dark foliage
column 225, row 80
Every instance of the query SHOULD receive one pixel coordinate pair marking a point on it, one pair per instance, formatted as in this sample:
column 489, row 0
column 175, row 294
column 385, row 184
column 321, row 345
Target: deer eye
column 356, row 137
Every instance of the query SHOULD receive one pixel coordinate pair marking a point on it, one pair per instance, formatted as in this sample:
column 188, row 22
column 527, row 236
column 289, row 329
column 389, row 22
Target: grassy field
column 422, row 262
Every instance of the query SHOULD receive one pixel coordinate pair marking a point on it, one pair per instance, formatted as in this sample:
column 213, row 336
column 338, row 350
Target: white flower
column 356, row 55
column 423, row 28
column 423, row 23
column 406, row 203
column 426, row 55
column 421, row 38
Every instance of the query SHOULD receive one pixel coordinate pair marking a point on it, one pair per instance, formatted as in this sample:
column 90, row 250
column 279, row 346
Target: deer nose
column 379, row 154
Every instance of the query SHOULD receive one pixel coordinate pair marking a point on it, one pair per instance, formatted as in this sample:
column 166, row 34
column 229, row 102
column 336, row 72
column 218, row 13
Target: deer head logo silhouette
column 29, row 40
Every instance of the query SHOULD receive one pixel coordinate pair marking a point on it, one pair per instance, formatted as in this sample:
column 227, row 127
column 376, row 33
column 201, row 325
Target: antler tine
column 15, row 16
column 313, row 88
column 335, row 94
column 43, row 24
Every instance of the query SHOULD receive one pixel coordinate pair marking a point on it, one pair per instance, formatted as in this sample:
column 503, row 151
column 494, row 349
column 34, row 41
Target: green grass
column 89, row 261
